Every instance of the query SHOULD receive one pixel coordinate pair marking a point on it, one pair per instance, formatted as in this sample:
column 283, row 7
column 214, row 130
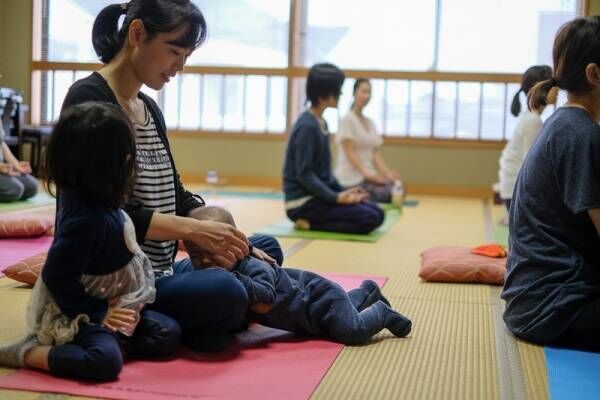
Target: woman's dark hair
column 577, row 44
column 92, row 153
column 533, row 75
column 158, row 16
column 323, row 80
column 357, row 83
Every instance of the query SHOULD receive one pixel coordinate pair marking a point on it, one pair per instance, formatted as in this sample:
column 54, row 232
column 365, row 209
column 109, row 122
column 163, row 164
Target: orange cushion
column 458, row 264
column 27, row 270
column 22, row 226
column 490, row 250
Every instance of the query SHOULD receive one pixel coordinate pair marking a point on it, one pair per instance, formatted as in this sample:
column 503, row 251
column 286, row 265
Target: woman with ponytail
column 149, row 47
column 528, row 126
column 552, row 285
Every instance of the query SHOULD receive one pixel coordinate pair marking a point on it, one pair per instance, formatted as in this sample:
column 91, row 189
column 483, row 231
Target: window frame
column 292, row 72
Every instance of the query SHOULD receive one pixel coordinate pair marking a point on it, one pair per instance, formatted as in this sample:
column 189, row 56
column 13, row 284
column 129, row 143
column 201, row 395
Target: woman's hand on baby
column 223, row 242
column 119, row 318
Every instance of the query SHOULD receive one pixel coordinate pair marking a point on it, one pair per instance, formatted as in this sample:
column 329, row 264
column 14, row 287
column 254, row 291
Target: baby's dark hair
column 158, row 16
column 323, row 80
column 530, row 78
column 92, row 153
column 213, row 213
column 208, row 213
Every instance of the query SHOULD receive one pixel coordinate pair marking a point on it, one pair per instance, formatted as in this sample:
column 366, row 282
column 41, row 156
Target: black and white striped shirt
column 155, row 187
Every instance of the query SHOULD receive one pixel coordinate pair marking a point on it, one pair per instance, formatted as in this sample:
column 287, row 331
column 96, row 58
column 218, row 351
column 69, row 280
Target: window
column 247, row 33
column 355, row 34
column 69, row 30
column 439, row 69
column 519, row 35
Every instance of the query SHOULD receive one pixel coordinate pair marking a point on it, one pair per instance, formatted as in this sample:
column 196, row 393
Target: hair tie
column 124, row 8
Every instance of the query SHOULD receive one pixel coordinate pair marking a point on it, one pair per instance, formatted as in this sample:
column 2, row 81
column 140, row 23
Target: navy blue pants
column 96, row 353
column 207, row 302
column 345, row 218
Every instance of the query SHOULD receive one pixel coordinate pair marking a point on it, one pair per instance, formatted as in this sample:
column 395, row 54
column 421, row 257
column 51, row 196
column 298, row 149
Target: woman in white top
column 528, row 126
column 359, row 161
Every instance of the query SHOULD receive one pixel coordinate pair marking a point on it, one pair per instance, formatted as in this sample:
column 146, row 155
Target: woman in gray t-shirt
column 552, row 286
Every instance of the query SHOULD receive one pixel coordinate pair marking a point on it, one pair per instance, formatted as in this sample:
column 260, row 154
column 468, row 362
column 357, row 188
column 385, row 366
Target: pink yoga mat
column 13, row 250
column 264, row 364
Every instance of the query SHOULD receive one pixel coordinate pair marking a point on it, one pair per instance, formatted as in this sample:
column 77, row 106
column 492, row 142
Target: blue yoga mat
column 573, row 374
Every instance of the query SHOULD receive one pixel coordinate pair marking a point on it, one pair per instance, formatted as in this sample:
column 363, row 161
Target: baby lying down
column 306, row 303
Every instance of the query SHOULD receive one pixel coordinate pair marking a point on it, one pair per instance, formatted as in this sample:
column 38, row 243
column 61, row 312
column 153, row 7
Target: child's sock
column 13, row 354
column 397, row 323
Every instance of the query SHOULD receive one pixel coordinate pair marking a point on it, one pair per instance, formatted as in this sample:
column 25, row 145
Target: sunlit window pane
column 421, row 93
column 233, row 118
column 492, row 118
column 277, row 104
column 211, row 102
column 189, row 117
column 378, row 34
column 519, row 34
column 70, row 29
column 256, row 103
column 62, row 81
column 397, row 108
column 249, row 33
column 445, row 109
column 468, row 110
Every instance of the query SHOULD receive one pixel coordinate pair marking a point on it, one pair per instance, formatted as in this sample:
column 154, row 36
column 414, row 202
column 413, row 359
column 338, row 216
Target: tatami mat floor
column 452, row 351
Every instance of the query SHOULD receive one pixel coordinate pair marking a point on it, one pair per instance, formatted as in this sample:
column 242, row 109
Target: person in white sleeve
column 528, row 126
column 359, row 161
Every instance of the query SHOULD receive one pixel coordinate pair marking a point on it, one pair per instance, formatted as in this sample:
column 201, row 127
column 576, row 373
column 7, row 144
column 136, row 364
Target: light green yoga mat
column 407, row 203
column 241, row 193
column 40, row 199
column 285, row 228
column 279, row 196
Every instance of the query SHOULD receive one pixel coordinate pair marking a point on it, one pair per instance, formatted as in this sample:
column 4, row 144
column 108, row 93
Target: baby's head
column 209, row 213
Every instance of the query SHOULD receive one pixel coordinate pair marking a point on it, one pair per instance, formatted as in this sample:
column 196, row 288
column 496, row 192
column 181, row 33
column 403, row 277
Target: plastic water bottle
column 398, row 194
column 212, row 179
